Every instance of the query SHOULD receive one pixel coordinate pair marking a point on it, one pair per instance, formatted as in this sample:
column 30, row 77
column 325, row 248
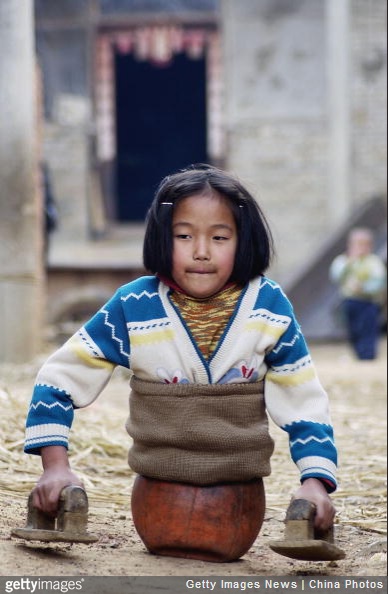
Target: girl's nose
column 201, row 250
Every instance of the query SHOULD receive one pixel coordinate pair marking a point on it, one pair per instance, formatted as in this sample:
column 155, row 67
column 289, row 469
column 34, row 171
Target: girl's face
column 204, row 244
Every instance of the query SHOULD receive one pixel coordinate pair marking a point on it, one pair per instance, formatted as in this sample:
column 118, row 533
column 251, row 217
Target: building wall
column 278, row 123
column 368, row 45
column 67, row 41
column 281, row 122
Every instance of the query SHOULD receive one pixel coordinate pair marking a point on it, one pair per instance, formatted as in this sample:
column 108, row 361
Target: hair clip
column 166, row 203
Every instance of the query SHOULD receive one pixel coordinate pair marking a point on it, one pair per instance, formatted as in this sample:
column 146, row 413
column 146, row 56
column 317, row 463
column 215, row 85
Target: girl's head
column 202, row 218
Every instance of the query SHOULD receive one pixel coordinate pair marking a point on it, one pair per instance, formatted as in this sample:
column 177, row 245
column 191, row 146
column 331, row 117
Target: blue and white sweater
column 139, row 328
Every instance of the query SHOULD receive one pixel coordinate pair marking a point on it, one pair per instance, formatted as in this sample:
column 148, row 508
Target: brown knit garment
column 200, row 434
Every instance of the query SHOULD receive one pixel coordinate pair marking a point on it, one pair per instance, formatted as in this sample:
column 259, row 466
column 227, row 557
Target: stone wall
column 67, row 155
column 280, row 119
column 368, row 98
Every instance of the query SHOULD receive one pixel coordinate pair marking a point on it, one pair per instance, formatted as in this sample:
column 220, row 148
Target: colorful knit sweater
column 141, row 329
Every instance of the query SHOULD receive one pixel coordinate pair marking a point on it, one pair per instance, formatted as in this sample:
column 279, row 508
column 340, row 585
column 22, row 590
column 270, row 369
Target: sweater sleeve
column 298, row 404
column 75, row 375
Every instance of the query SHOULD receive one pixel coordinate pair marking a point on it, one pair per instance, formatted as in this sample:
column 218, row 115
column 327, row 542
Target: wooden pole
column 21, row 209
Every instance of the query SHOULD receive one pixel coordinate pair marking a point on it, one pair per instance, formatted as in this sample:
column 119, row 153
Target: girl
column 205, row 336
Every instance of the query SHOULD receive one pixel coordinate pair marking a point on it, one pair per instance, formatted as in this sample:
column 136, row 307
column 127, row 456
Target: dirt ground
column 357, row 392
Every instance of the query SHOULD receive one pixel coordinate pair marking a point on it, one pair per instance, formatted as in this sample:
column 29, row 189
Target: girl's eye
column 220, row 238
column 182, row 236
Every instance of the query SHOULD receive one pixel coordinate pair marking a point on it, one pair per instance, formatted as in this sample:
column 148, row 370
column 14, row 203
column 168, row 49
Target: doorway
column 160, row 126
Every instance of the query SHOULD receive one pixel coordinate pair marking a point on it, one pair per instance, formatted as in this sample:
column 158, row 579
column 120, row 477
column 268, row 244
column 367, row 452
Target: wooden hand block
column 70, row 525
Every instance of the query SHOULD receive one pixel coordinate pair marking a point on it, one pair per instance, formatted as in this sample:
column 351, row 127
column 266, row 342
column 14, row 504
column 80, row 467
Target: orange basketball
column 212, row 523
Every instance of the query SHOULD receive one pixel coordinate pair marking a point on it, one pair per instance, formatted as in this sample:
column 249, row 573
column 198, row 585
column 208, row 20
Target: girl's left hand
column 313, row 490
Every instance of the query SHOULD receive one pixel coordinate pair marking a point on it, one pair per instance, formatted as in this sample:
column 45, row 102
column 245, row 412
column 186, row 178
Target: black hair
column 255, row 244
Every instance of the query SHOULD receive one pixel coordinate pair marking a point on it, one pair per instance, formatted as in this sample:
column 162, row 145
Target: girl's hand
column 313, row 490
column 57, row 474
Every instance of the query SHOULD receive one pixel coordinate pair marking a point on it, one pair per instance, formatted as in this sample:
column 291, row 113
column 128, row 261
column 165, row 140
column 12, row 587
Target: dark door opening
column 160, row 126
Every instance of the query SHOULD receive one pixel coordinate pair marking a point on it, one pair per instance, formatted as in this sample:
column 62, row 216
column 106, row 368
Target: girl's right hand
column 57, row 474
column 45, row 495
